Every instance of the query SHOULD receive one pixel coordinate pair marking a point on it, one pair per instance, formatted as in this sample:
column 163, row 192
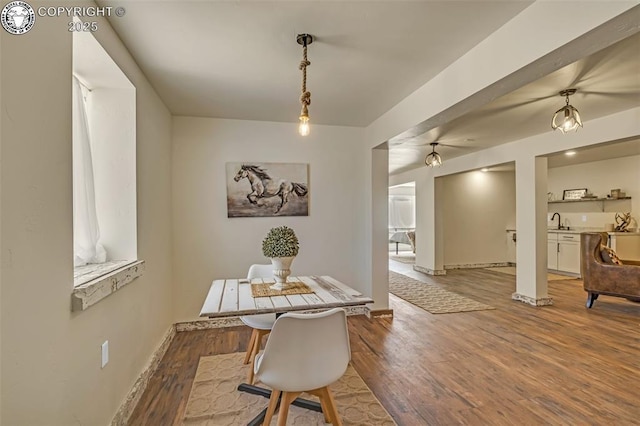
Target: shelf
column 588, row 200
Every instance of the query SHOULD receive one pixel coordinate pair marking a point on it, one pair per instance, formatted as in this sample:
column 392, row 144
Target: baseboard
column 429, row 271
column 379, row 313
column 541, row 301
column 133, row 397
column 208, row 324
column 478, row 265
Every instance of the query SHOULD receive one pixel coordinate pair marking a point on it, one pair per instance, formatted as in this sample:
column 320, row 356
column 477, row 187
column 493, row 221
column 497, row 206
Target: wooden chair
column 304, row 353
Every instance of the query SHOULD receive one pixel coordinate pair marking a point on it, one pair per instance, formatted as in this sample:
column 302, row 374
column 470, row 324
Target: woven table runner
column 264, row 290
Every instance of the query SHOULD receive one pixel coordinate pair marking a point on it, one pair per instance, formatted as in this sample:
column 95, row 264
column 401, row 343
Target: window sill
column 90, row 289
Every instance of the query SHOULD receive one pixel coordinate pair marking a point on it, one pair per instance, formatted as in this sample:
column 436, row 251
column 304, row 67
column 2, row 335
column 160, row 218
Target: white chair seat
column 261, row 322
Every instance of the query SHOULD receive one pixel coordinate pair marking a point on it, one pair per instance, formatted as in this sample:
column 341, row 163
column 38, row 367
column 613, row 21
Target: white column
column 531, row 231
column 429, row 235
column 380, row 229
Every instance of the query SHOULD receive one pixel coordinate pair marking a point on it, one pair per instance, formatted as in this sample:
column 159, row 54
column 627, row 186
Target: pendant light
column 566, row 118
column 433, row 158
column 305, row 99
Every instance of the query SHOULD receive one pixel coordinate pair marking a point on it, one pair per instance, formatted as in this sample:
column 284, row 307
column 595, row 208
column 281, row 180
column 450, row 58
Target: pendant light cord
column 305, row 98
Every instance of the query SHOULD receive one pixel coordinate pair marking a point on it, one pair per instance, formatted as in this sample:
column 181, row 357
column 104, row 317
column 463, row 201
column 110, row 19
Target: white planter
column 281, row 270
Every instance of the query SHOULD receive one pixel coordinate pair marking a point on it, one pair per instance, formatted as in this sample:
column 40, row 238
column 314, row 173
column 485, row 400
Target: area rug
column 431, row 298
column 511, row 270
column 214, row 399
column 411, row 259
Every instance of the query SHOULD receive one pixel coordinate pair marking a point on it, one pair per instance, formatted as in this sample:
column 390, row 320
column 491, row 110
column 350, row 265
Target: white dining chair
column 261, row 324
column 304, row 353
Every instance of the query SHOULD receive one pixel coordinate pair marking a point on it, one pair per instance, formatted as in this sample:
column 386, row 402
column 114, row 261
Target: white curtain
column 86, row 233
column 402, row 211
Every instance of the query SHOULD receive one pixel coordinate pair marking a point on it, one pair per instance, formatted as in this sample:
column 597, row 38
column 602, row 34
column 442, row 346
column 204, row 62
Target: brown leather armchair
column 604, row 278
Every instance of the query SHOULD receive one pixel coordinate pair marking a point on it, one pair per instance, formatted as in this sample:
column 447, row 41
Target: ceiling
column 607, row 82
column 606, row 151
column 239, row 60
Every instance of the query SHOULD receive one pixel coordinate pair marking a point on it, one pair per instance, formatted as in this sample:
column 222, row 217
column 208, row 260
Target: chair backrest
column 306, row 351
column 260, row 271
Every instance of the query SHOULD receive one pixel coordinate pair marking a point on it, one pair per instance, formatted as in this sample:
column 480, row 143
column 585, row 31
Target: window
column 104, row 175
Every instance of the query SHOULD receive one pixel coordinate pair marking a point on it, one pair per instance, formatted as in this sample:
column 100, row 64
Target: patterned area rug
column 430, row 297
column 214, row 399
column 511, row 270
column 409, row 258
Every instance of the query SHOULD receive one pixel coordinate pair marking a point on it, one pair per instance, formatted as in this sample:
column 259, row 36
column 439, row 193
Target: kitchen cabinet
column 552, row 251
column 626, row 245
column 563, row 252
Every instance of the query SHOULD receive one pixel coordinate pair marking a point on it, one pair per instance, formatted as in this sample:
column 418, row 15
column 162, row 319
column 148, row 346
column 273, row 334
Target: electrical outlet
column 105, row 353
column 584, row 217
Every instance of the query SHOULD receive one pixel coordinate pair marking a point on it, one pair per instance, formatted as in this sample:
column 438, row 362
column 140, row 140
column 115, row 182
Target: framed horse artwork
column 267, row 189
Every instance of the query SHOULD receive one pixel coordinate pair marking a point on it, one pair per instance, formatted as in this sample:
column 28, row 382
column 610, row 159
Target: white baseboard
column 478, row 265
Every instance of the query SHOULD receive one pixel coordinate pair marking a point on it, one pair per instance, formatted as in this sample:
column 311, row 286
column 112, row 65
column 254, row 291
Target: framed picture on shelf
column 574, row 194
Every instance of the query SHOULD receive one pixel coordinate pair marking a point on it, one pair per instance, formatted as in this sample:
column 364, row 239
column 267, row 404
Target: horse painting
column 263, row 187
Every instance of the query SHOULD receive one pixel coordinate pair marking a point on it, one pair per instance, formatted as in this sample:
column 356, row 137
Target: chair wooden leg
column 287, row 399
column 323, row 403
column 273, row 403
column 247, row 357
column 257, row 343
column 333, row 411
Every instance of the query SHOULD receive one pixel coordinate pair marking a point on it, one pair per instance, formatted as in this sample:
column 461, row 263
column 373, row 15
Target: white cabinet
column 563, row 251
column 552, row 251
column 626, row 246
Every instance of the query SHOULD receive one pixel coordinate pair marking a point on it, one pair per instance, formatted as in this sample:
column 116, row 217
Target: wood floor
column 515, row 365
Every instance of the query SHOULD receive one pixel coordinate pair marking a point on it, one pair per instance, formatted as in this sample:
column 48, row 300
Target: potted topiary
column 281, row 246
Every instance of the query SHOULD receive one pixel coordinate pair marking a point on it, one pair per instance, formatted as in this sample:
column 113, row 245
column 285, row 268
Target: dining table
column 236, row 297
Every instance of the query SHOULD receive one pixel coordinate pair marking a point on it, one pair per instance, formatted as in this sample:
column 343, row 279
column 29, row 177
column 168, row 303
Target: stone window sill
column 95, row 282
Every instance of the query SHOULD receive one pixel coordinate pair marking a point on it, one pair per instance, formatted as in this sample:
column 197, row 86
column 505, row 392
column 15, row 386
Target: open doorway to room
column 402, row 222
column 478, row 211
column 592, row 189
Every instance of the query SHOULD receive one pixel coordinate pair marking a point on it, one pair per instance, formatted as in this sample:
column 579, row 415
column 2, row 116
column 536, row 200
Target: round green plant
column 280, row 242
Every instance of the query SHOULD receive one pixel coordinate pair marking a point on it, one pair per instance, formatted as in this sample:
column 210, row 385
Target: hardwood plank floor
column 556, row 365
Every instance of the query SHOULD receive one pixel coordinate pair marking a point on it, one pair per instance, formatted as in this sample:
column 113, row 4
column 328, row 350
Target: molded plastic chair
column 261, row 324
column 305, row 353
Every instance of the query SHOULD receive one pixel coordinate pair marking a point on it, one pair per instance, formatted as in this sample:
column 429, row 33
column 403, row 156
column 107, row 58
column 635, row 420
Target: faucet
column 553, row 217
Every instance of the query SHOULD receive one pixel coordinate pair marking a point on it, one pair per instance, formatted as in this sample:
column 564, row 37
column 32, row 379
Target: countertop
column 579, row 231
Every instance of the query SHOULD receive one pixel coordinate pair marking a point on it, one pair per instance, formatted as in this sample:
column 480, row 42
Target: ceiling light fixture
column 485, row 170
column 433, row 158
column 566, row 118
column 570, row 153
column 303, row 128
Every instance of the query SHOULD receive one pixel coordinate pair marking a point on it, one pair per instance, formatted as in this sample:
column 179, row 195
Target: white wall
column 50, row 368
column 208, row 245
column 599, row 177
column 478, row 209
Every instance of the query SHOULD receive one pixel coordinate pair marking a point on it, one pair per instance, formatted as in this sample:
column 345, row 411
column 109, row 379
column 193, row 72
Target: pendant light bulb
column 303, row 127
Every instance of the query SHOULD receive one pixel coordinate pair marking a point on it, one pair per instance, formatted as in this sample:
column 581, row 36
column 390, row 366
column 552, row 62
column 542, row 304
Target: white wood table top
column 233, row 297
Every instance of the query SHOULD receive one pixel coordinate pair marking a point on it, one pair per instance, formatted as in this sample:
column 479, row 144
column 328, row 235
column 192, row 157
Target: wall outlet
column 105, row 353
column 584, row 217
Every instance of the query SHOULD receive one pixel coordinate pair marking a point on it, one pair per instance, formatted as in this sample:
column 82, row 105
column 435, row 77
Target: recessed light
column 484, row 170
column 570, row 153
